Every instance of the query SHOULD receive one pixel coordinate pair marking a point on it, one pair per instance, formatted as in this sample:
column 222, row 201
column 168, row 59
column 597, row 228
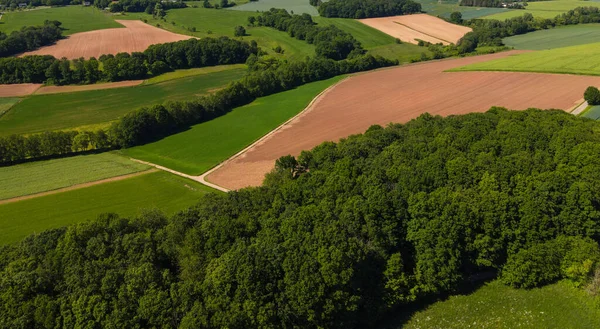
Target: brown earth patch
column 18, row 90
column 136, row 36
column 408, row 28
column 399, row 95
column 76, row 187
column 69, row 89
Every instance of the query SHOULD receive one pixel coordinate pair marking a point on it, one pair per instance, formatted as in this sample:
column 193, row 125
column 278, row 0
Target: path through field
column 18, row 90
column 399, row 95
column 136, row 36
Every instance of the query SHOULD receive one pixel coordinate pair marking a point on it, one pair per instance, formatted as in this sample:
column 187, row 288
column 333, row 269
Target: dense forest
column 329, row 41
column 155, row 60
column 151, row 123
column 334, row 238
column 29, row 38
column 490, row 32
column 366, row 9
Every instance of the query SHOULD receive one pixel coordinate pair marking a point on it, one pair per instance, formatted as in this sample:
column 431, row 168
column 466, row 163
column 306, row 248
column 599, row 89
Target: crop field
column 544, row 9
column 446, row 7
column 155, row 190
column 74, row 19
column 41, row 176
column 495, row 305
column 582, row 59
column 366, row 35
column 18, row 90
column 6, row 104
column 398, row 95
column 593, row 112
column 207, row 144
column 178, row 74
column 39, row 113
column 556, row 38
column 136, row 36
column 295, row 6
column 411, row 28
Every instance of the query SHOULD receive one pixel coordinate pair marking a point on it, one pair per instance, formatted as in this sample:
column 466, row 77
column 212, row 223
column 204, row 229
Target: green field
column 581, row 59
column 207, row 144
column 592, row 112
column 39, row 113
column 157, row 190
column 494, row 305
column 445, row 7
column 41, row 176
column 556, row 38
column 178, row 74
column 74, row 19
column 7, row 103
column 544, row 9
column 366, row 35
column 295, row 6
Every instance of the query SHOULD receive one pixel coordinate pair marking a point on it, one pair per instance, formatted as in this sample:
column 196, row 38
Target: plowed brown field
column 408, row 28
column 399, row 95
column 136, row 36
column 18, row 90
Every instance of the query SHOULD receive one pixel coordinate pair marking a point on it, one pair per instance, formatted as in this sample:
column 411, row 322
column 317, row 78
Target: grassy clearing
column 544, row 9
column 41, row 176
column 61, row 111
column 556, row 38
column 157, row 190
column 581, row 59
column 178, row 74
column 445, row 7
column 497, row 306
column 7, row 103
column 74, row 18
column 205, row 145
column 295, row 6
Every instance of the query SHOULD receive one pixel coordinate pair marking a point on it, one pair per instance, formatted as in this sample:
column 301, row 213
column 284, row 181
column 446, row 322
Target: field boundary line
column 77, row 186
column 202, row 178
column 578, row 109
column 427, row 34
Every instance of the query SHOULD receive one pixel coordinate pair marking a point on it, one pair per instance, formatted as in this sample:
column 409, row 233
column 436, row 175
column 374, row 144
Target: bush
column 239, row 31
column 592, row 95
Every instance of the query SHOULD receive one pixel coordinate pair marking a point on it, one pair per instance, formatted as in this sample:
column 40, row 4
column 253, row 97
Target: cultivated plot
column 18, row 90
column 136, row 36
column 292, row 6
column 445, row 8
column 398, row 95
column 411, row 28
column 581, row 59
column 559, row 37
column 544, row 9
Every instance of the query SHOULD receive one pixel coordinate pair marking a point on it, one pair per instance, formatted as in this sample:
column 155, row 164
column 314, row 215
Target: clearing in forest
column 399, row 95
column 411, row 28
column 136, row 36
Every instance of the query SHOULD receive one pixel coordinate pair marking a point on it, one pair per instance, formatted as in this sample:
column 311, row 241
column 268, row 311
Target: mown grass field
column 207, row 144
column 556, row 38
column 494, row 305
column 592, row 112
column 445, row 7
column 156, row 190
column 178, row 74
column 295, row 6
column 544, row 9
column 39, row 113
column 41, row 176
column 7, row 103
column 581, row 59
column 74, row 19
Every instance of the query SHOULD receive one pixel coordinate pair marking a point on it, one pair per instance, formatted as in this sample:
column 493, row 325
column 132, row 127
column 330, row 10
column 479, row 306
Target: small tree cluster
column 592, row 95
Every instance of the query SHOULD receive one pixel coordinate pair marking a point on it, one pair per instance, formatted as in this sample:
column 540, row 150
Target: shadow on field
column 398, row 317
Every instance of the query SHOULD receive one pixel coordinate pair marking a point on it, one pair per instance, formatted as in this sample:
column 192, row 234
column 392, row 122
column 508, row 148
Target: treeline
column 335, row 238
column 151, row 123
column 490, row 32
column 494, row 3
column 366, row 9
column 137, row 6
column 330, row 41
column 155, row 60
column 29, row 38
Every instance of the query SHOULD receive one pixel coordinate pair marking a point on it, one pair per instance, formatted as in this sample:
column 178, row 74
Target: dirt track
column 398, row 95
column 18, row 90
column 419, row 26
column 136, row 36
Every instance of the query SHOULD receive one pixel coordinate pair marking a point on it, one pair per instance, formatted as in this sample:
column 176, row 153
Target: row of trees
column 150, row 123
column 330, row 41
column 29, row 38
column 334, row 238
column 494, row 3
column 490, row 32
column 155, row 60
column 366, row 9
column 138, row 6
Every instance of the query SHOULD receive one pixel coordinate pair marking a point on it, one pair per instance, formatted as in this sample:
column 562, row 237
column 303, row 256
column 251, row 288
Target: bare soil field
column 408, row 28
column 18, row 90
column 69, row 89
column 136, row 36
column 399, row 95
